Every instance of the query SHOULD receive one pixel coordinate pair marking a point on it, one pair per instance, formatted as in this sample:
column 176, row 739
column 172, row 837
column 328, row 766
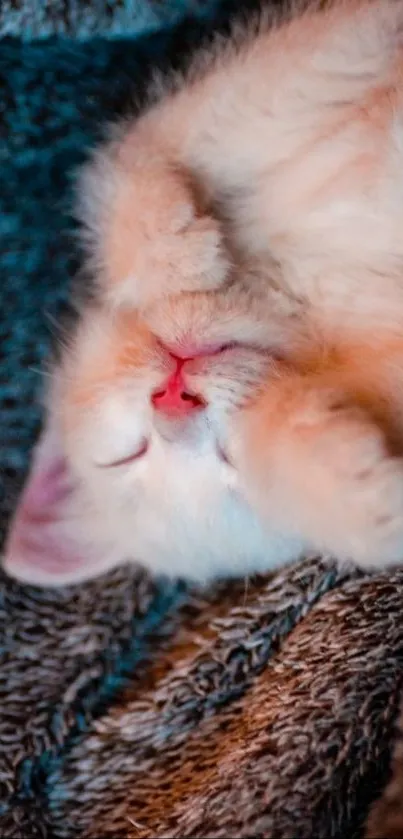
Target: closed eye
column 141, row 450
column 223, row 456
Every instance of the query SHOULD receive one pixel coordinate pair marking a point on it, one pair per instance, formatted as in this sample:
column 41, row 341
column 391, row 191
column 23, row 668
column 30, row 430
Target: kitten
column 234, row 398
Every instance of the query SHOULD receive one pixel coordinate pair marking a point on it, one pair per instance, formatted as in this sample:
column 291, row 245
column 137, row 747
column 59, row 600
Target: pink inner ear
column 48, row 487
column 40, row 539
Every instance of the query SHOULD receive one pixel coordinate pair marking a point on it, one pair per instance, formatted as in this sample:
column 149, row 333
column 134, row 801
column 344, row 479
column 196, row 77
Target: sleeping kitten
column 234, row 398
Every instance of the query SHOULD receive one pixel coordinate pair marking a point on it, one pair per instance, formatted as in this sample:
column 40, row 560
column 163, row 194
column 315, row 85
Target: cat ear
column 44, row 545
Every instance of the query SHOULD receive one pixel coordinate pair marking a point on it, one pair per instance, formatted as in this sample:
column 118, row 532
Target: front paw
column 373, row 504
column 155, row 241
column 359, row 496
column 188, row 255
column 191, row 255
column 321, row 466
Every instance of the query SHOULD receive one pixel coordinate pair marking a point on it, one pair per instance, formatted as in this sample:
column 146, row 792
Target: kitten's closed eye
column 126, row 460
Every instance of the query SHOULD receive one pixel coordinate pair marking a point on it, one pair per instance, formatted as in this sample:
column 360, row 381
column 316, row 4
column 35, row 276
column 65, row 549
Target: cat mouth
column 187, row 350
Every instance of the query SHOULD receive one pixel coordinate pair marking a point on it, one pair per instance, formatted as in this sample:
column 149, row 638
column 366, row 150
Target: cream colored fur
column 256, row 206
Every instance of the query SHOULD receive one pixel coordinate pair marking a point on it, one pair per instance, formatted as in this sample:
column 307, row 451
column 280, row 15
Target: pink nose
column 173, row 399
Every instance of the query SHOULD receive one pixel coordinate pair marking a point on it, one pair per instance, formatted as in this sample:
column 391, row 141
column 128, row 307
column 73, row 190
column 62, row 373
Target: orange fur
column 254, row 207
column 123, row 344
column 323, row 450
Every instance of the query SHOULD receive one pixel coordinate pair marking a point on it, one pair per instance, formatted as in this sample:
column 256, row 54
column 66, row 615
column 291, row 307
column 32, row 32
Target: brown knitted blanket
column 263, row 709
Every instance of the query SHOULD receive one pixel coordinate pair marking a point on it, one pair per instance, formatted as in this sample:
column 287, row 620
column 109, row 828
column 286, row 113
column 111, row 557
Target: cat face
column 122, row 475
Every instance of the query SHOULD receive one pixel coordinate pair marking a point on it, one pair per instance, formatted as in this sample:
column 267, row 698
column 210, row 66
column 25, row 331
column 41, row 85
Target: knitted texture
column 134, row 708
column 29, row 19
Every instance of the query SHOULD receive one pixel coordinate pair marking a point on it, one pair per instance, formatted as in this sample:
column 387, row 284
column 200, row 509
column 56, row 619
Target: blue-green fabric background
column 33, row 19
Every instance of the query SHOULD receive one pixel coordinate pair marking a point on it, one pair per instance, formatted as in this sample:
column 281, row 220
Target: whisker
column 51, row 318
column 41, row 373
column 58, row 331
column 246, row 590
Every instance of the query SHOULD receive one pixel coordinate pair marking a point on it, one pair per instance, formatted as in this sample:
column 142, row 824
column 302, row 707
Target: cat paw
column 195, row 248
column 156, row 241
column 186, row 256
column 359, row 509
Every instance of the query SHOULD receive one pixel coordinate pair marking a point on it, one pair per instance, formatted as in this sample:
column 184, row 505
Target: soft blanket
column 136, row 708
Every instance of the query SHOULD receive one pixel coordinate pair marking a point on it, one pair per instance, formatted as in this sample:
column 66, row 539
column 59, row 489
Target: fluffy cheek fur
column 123, row 483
